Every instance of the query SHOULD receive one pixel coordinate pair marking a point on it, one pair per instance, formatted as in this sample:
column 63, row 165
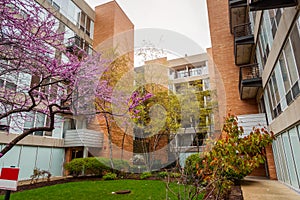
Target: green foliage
column 162, row 175
column 191, row 163
column 119, row 165
column 75, row 167
column 110, row 176
column 175, row 175
column 94, row 166
column 232, row 157
column 145, row 175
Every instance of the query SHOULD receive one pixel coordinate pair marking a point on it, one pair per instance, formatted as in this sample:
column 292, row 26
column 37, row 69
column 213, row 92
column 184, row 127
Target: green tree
column 231, row 158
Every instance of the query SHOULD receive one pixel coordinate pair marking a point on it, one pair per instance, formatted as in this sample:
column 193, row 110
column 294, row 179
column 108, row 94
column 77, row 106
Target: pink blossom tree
column 39, row 72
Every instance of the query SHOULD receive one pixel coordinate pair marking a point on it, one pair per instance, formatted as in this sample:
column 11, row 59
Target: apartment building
column 73, row 136
column 257, row 54
column 185, row 78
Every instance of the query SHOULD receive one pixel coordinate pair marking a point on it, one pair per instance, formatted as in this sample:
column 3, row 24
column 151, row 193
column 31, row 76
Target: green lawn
column 140, row 189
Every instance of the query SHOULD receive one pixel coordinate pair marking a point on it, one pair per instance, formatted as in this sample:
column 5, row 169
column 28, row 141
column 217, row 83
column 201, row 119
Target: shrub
column 175, row 175
column 192, row 164
column 233, row 157
column 110, row 176
column 162, row 174
column 75, row 167
column 145, row 175
column 119, row 165
column 93, row 166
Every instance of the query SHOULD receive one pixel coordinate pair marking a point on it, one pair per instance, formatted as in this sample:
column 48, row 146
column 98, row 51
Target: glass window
column 284, row 73
column 275, row 88
column 267, row 103
column 295, row 41
column 82, row 20
column 68, row 34
column 290, row 160
column 206, row 84
column 276, row 160
column 92, row 30
column 291, row 62
column 295, row 144
column 88, row 26
column 29, row 120
column 281, row 90
column 281, row 152
column 35, row 119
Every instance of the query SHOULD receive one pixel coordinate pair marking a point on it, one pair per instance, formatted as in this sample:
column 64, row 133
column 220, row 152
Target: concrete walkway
column 256, row 188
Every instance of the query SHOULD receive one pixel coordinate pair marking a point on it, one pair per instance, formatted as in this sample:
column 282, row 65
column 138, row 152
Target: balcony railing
column 243, row 44
column 200, row 71
column 238, row 13
column 76, row 44
column 83, row 137
column 242, row 30
column 271, row 4
column 250, row 81
column 249, row 121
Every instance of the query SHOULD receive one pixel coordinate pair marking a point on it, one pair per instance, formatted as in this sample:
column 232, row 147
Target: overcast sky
column 185, row 21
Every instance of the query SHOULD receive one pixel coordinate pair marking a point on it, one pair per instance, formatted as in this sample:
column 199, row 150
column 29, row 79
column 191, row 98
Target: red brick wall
column 223, row 57
column 113, row 29
column 222, row 52
column 271, row 163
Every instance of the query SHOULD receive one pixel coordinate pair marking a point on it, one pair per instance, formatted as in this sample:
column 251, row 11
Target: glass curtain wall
column 286, row 150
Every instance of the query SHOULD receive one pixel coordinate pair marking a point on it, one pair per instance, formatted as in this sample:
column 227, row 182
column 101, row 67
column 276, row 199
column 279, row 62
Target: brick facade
column 114, row 32
column 222, row 52
column 223, row 57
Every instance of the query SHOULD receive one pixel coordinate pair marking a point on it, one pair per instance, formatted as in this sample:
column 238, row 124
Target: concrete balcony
column 83, row 137
column 271, row 4
column 243, row 44
column 238, row 13
column 250, row 81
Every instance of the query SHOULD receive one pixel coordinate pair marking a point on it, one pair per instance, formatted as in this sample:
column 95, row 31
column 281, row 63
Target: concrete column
column 85, row 152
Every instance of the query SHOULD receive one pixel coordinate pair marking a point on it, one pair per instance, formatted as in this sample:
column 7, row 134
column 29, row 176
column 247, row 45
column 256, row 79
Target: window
column 291, row 62
column 267, row 32
column 35, row 119
column 199, row 139
column 9, row 85
column 274, row 95
column 295, row 41
column 275, row 16
column 82, row 20
column 206, row 84
column 5, row 122
column 286, row 148
column 283, row 86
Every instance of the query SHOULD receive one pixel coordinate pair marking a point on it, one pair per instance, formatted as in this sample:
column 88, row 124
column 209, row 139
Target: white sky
column 185, row 21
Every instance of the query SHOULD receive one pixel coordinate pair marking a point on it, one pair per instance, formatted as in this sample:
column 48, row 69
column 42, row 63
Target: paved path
column 255, row 188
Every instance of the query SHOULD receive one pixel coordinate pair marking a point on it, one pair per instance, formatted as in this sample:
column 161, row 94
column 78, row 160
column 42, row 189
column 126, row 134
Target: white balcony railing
column 83, row 137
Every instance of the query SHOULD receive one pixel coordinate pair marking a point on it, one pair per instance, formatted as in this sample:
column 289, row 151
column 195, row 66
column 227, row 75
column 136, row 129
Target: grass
column 140, row 189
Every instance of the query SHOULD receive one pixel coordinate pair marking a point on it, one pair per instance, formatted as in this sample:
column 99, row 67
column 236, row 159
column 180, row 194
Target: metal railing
column 249, row 72
column 242, row 30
